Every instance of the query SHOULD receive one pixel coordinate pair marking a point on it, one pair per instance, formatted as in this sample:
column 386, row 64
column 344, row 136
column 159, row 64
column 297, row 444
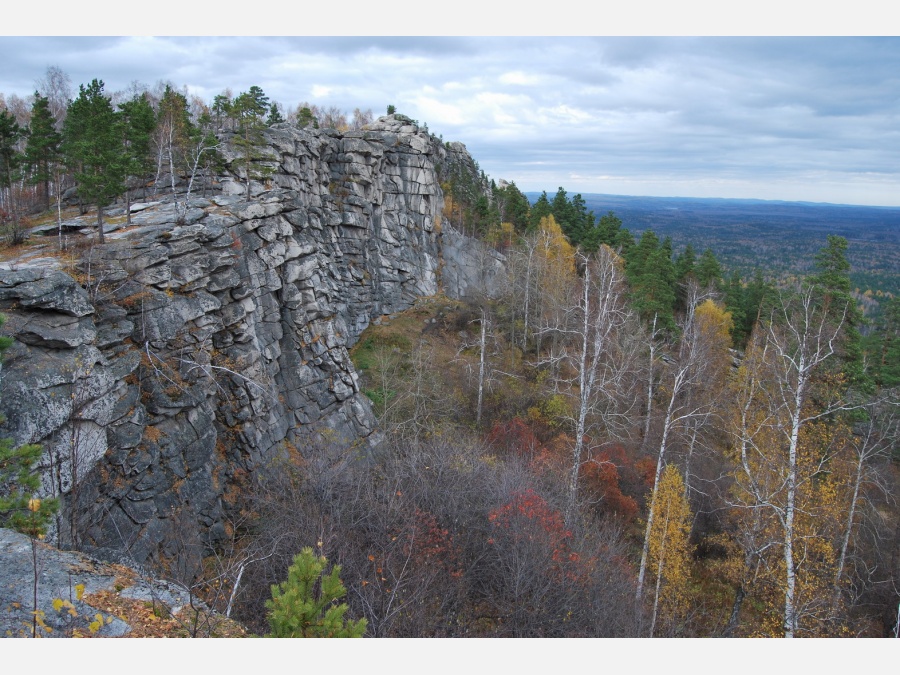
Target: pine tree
column 685, row 263
column 137, row 124
column 651, row 275
column 10, row 162
column 306, row 604
column 306, row 118
column 249, row 109
column 274, row 115
column 93, row 148
column 539, row 210
column 708, row 270
column 19, row 508
column 221, row 109
column 833, row 280
column 608, row 230
column 42, row 151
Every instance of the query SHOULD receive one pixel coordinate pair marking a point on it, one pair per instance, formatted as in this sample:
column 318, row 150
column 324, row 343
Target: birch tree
column 670, row 551
column 598, row 352
column 781, row 447
column 691, row 368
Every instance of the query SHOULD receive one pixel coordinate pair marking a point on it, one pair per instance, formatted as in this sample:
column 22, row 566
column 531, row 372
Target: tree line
column 108, row 146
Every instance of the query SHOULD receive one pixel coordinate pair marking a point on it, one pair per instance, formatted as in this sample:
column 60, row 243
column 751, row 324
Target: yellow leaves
column 501, row 236
column 39, row 619
column 555, row 248
column 79, row 591
column 97, row 623
column 59, row 604
column 715, row 321
column 34, row 505
column 669, row 553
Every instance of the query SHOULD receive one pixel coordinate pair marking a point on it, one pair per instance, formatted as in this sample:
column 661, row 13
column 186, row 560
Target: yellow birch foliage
column 556, row 249
column 758, row 500
column 714, row 321
column 669, row 555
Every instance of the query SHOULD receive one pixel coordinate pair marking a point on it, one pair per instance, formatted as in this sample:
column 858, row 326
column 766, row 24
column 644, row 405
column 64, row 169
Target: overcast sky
column 813, row 119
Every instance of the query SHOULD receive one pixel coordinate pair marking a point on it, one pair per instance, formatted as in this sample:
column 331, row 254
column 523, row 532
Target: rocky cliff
column 161, row 370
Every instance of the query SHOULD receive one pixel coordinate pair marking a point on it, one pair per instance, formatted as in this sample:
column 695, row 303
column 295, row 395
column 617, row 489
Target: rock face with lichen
column 161, row 370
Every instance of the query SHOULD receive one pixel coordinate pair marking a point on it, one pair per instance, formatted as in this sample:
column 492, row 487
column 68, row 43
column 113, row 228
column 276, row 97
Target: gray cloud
column 809, row 119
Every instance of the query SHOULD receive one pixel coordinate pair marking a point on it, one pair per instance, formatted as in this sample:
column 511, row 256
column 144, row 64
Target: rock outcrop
column 77, row 595
column 165, row 367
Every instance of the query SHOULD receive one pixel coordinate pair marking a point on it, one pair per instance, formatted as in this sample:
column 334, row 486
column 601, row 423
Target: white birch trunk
column 481, row 367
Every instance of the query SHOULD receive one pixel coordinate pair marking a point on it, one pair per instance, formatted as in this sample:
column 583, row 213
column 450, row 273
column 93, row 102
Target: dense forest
column 778, row 238
column 618, row 440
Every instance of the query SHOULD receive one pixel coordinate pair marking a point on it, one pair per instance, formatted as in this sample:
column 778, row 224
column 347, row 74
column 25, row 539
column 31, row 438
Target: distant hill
column 779, row 238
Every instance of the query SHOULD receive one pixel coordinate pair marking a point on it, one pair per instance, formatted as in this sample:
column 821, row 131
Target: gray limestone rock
column 207, row 340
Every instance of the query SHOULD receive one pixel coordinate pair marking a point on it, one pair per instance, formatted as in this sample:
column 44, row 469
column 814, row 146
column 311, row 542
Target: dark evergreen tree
column 651, row 275
column 833, row 278
column 249, row 110
column 624, row 242
column 92, row 144
column 735, row 303
column 172, row 136
column 221, row 110
column 274, row 115
column 10, row 163
column 684, row 264
column 137, row 122
column 305, row 118
column 540, row 209
column 513, row 205
column 609, row 227
column 886, row 347
column 42, row 151
column 708, row 270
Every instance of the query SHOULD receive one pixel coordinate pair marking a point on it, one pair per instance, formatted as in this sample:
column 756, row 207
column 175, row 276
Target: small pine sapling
column 305, row 605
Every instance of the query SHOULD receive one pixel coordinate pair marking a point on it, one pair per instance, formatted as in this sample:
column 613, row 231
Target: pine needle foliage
column 306, row 604
column 19, row 509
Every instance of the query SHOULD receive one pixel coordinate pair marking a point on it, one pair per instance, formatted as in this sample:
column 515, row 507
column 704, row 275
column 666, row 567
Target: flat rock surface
column 79, row 596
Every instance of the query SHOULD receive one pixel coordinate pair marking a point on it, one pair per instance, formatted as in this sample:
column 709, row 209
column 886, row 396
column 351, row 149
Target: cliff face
column 164, row 368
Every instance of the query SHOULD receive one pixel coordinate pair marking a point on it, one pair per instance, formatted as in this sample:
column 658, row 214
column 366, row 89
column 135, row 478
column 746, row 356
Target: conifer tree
column 10, row 162
column 274, row 115
column 539, row 210
column 42, row 151
column 19, row 508
column 249, row 109
column 93, row 148
column 306, row 604
column 651, row 274
column 221, row 109
column 137, row 124
column 514, row 207
column 833, row 280
column 306, row 118
column 708, row 270
column 606, row 231
column 685, row 263
column 172, row 136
